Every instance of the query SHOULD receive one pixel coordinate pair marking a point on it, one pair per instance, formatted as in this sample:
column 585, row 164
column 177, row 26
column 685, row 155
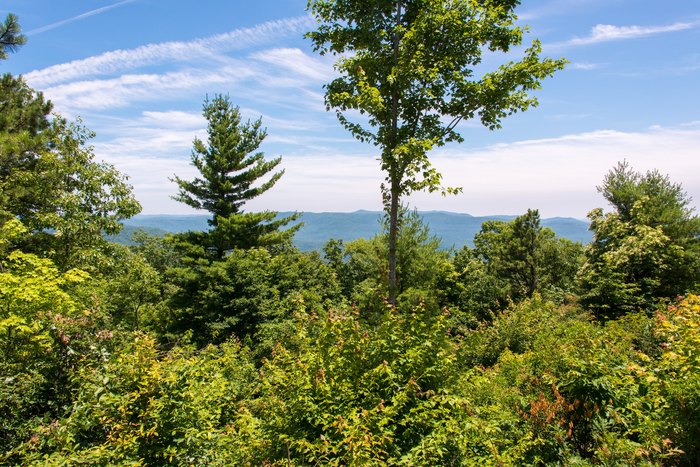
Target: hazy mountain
column 454, row 229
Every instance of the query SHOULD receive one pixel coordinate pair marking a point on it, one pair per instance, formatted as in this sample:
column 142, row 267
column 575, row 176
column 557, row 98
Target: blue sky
column 137, row 71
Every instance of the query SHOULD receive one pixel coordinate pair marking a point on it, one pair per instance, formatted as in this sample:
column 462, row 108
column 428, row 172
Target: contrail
column 94, row 12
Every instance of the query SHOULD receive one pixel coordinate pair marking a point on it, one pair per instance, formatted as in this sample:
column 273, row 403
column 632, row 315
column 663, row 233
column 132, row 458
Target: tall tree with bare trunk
column 412, row 70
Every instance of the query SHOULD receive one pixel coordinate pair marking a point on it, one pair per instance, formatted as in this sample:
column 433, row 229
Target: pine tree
column 10, row 37
column 25, row 132
column 230, row 165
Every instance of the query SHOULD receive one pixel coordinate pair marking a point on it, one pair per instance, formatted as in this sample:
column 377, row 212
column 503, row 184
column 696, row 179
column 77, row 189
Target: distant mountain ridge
column 454, row 229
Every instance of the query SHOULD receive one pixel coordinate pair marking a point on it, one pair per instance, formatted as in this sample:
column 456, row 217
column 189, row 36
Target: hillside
column 454, row 229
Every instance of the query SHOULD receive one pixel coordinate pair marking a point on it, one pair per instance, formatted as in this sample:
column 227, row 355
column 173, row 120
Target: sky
column 138, row 71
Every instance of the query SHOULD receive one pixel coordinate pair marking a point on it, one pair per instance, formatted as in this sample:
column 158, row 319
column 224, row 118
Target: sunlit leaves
column 646, row 250
column 409, row 67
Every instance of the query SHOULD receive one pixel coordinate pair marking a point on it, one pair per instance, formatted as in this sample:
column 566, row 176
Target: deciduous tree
column 411, row 67
column 49, row 178
column 513, row 260
column 646, row 249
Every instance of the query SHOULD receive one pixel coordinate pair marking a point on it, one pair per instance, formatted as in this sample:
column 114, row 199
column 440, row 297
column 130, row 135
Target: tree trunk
column 393, row 236
column 395, row 173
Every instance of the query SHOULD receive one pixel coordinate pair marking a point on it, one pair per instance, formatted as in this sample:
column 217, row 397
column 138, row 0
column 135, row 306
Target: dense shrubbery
column 541, row 384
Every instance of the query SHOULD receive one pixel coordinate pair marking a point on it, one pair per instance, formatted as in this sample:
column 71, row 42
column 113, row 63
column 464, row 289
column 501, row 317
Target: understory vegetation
column 232, row 347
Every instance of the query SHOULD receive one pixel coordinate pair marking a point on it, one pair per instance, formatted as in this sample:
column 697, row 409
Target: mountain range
column 454, row 229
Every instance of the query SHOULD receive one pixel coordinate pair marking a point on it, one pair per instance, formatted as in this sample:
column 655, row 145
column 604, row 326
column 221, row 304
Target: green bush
column 141, row 407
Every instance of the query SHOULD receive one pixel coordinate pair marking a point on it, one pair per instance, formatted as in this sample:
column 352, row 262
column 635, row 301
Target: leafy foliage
column 584, row 390
column 230, row 347
column 46, row 326
column 411, row 72
column 512, row 261
column 136, row 407
column 24, row 132
column 646, row 250
column 362, row 270
column 678, row 327
column 356, row 394
column 51, row 182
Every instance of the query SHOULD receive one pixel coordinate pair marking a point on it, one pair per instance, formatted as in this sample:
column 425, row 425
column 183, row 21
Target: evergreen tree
column 230, row 164
column 10, row 37
column 25, row 130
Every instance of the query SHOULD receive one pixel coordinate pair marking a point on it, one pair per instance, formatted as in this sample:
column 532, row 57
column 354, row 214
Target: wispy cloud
column 285, row 78
column 88, row 14
column 154, row 134
column 608, row 32
column 584, row 66
column 121, row 91
column 150, row 143
column 119, row 61
column 287, row 124
column 172, row 119
column 296, row 62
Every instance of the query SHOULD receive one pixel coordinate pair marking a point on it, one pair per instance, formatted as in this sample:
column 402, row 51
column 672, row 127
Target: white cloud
column 150, row 178
column 149, row 143
column 174, row 51
column 156, row 134
column 121, row 91
column 281, row 77
column 289, row 124
column 558, row 176
column 607, row 32
column 173, row 119
column 298, row 63
column 583, row 66
column 307, row 140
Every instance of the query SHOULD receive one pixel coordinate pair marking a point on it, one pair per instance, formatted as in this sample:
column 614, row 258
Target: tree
column 22, row 109
column 514, row 260
column 409, row 66
column 361, row 267
column 50, row 181
column 230, row 165
column 25, row 130
column 46, row 328
column 74, row 200
column 10, row 37
column 251, row 293
column 513, row 252
column 646, row 250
